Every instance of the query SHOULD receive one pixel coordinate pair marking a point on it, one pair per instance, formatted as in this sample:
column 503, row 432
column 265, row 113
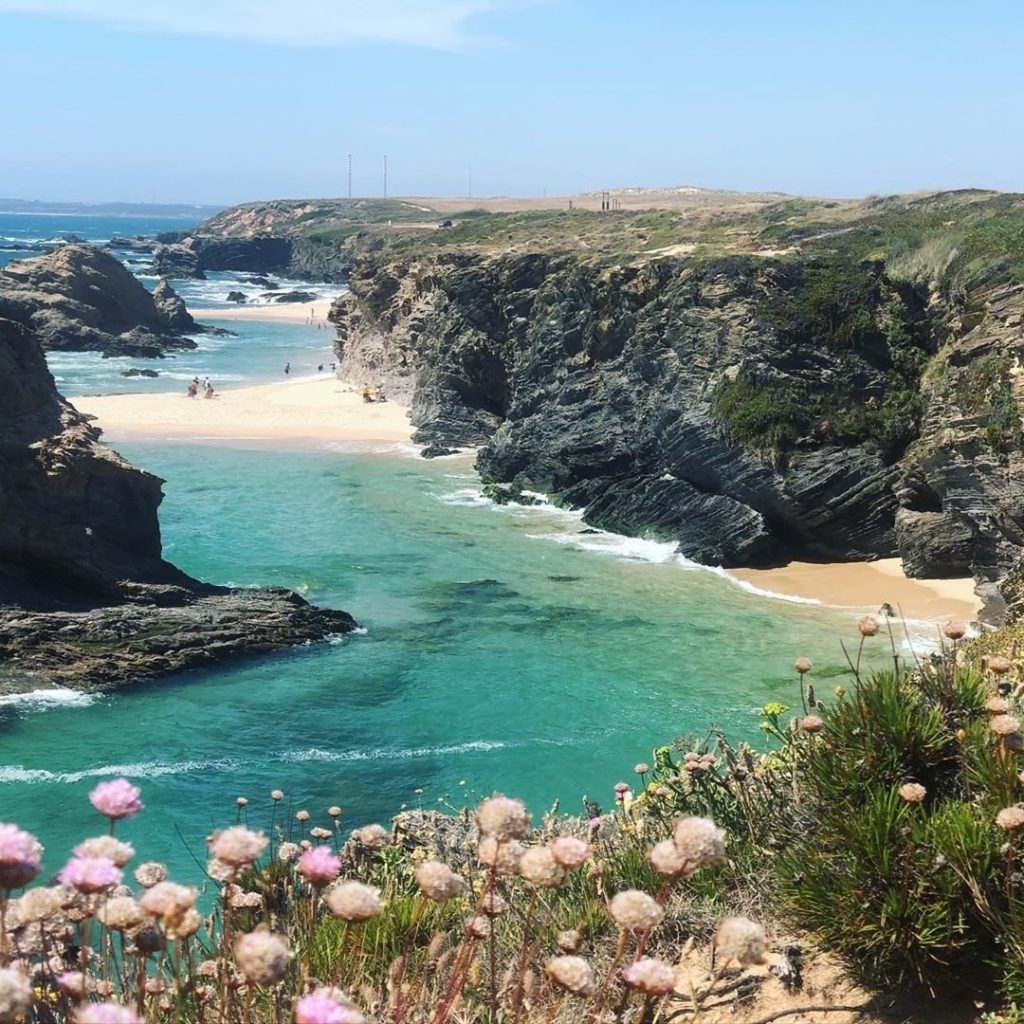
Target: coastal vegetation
column 877, row 828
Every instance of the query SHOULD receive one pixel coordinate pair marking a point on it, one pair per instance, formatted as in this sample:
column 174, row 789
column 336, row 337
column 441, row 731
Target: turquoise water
column 498, row 650
column 503, row 647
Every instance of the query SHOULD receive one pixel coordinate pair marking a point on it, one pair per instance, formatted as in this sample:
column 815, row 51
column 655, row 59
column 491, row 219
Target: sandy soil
column 289, row 312
column 323, row 409
column 866, row 585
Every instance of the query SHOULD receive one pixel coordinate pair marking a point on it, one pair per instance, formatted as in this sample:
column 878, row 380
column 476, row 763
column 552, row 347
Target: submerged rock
column 136, row 372
column 235, row 297
column 86, row 597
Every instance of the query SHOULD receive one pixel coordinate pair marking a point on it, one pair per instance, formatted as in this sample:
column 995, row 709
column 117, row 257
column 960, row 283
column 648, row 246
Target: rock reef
column 80, row 298
column 86, row 598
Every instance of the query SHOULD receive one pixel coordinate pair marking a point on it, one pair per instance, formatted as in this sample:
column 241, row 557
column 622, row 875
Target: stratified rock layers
column 754, row 409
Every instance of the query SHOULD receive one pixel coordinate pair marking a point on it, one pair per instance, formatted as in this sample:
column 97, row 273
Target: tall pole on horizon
column 350, row 175
column 469, row 182
column 385, row 175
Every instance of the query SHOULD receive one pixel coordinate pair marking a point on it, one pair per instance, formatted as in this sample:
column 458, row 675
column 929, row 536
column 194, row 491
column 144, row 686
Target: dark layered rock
column 86, row 597
column 80, row 298
column 194, row 255
column 179, row 261
column 235, row 297
column 754, row 409
column 294, row 296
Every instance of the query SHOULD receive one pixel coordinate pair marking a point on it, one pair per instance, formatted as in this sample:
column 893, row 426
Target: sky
column 222, row 101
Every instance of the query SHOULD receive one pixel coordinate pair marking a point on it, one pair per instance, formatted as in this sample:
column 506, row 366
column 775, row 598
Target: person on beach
column 367, row 394
column 886, row 610
column 287, row 368
column 192, row 389
column 320, row 368
column 206, row 383
column 208, row 390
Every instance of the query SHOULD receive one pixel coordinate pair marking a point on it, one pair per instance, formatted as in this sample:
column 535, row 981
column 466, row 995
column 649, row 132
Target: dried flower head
column 373, row 837
column 287, row 852
column 106, row 846
column 237, row 845
column 502, row 818
column 38, row 904
column 167, row 899
column 802, row 665
column 1010, row 818
column 569, row 851
column 353, row 901
column 998, row 664
column 700, row 840
column 502, row 856
column 149, row 873
column 241, row 801
column 302, row 815
column 21, row 857
column 868, row 626
column 955, row 630
column 1004, row 725
column 493, row 904
column 913, row 792
column 569, row 941
column 998, row 706
column 185, row 924
column 668, row 859
column 478, row 926
column 117, row 798
column 319, row 866
column 642, row 768
column 121, row 913
column 572, row 973
column 650, row 976
column 438, row 882
column 811, row 724
column 15, row 993
column 635, row 911
column 539, row 867
column 741, row 940
column 276, row 794
column 91, row 874
column 262, row 957
column 73, row 983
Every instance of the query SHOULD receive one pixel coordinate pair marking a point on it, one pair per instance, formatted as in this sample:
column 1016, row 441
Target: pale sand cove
column 282, row 312
column 865, row 585
column 323, row 409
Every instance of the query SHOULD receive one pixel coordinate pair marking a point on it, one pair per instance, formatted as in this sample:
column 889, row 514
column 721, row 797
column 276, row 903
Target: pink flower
column 238, row 845
column 319, row 866
column 105, row 1013
column 20, row 857
column 116, row 799
column 323, row 1007
column 91, row 874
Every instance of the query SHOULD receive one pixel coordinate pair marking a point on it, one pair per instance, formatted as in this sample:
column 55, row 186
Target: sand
column 287, row 312
column 865, row 585
column 321, row 409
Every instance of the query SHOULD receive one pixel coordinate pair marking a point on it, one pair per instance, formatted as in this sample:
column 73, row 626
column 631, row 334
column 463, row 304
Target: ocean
column 501, row 647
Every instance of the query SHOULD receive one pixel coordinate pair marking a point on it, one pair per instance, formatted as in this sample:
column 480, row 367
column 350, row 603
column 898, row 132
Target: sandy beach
column 865, row 585
column 322, row 409
column 282, row 312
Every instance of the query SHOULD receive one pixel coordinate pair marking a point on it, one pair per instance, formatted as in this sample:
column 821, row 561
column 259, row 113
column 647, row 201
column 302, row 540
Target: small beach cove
column 504, row 646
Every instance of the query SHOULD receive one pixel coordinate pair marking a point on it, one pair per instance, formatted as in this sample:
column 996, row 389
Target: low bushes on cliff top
column 885, row 820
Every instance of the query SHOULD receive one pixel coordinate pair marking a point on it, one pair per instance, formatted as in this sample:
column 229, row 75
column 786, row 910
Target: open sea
column 502, row 647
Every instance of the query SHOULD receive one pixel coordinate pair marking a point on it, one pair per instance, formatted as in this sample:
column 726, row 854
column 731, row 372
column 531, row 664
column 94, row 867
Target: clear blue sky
column 219, row 101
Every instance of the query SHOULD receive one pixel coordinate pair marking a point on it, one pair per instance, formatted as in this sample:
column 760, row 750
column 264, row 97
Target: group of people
column 319, row 369
column 193, row 388
column 373, row 394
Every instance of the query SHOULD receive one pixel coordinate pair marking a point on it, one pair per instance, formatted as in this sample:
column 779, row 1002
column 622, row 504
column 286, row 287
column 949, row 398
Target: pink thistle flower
column 319, row 866
column 325, row 1006
column 91, row 874
column 117, row 799
column 21, row 857
column 105, row 1013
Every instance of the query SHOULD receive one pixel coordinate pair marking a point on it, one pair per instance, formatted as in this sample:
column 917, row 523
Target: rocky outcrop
column 80, row 298
column 754, row 409
column 194, row 255
column 86, row 597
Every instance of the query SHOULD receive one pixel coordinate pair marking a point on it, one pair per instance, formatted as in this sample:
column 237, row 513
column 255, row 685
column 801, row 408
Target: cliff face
column 85, row 596
column 80, row 298
column 755, row 409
